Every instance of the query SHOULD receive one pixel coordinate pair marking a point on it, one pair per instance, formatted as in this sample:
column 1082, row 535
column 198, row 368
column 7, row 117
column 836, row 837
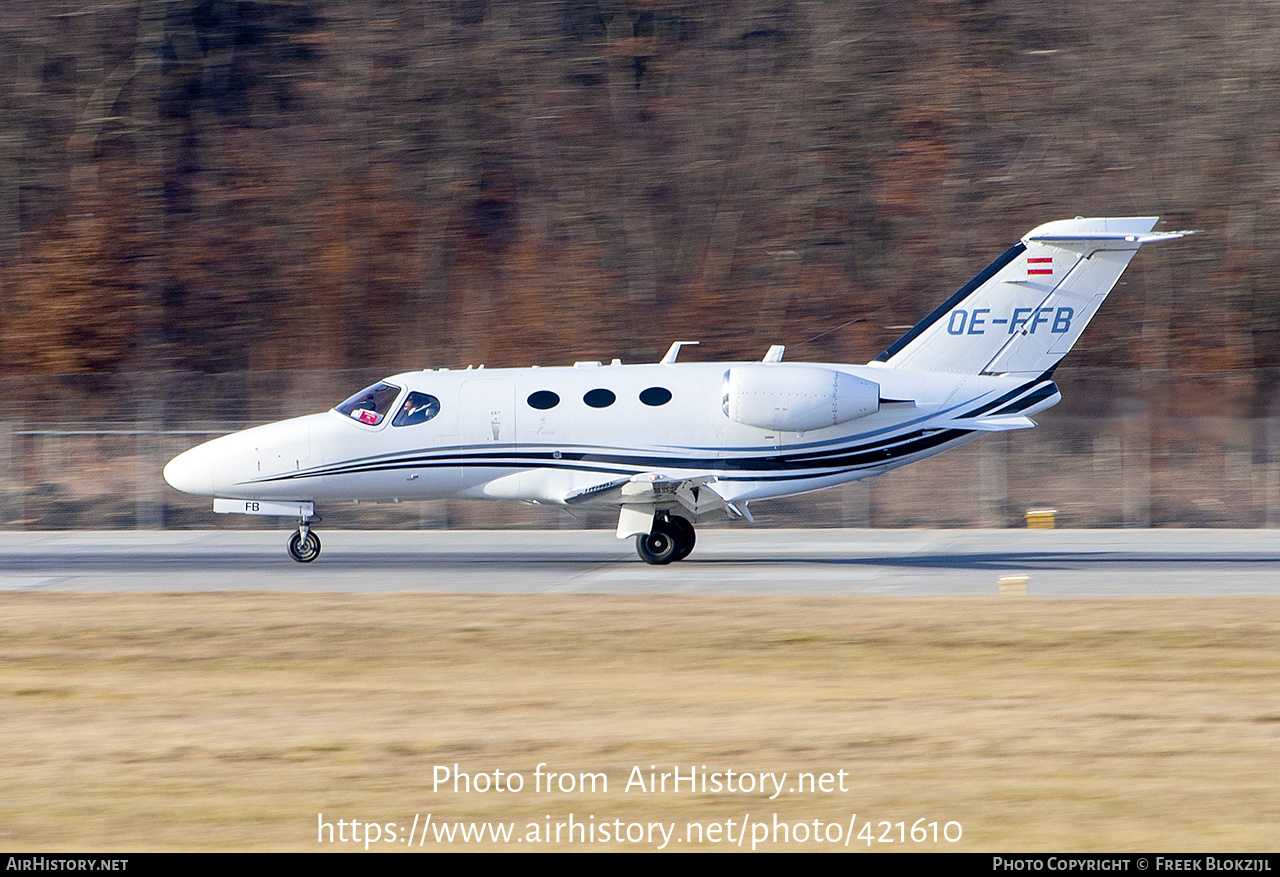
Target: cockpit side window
column 417, row 408
column 371, row 404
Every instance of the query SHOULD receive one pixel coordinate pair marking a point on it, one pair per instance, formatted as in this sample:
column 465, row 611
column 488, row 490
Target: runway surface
column 759, row 560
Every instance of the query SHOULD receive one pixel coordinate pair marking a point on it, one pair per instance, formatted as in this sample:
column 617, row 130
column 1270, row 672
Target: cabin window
column 417, row 408
column 600, row 398
column 371, row 404
column 655, row 396
column 543, row 399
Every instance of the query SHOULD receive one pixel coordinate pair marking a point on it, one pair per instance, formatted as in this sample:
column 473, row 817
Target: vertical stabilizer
column 1024, row 312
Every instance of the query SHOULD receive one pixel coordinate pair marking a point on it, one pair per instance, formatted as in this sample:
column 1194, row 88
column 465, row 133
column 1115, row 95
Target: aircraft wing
column 648, row 490
column 641, row 495
column 607, row 492
column 696, row 494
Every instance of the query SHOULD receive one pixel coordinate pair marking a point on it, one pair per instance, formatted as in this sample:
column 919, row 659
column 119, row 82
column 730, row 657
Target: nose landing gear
column 304, row 545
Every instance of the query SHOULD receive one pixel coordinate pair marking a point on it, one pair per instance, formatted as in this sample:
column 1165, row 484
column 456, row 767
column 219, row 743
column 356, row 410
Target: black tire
column 660, row 546
column 304, row 550
column 687, row 536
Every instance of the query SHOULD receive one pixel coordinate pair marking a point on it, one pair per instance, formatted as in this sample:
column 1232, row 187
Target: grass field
column 230, row 721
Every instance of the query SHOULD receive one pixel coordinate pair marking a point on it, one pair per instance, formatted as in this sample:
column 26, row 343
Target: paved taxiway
column 1076, row 563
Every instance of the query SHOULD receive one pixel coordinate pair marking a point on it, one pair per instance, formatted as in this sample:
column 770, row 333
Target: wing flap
column 695, row 494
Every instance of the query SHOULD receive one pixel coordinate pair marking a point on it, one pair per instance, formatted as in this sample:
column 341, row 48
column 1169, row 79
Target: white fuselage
column 489, row 441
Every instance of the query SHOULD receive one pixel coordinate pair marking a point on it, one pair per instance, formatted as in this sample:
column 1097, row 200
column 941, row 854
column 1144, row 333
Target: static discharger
column 1041, row 519
column 1014, row 586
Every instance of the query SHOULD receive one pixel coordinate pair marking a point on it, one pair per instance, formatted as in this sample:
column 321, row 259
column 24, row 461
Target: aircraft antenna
column 836, row 329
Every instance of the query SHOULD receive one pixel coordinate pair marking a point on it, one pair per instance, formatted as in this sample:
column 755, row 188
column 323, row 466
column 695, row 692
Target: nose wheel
column 304, row 545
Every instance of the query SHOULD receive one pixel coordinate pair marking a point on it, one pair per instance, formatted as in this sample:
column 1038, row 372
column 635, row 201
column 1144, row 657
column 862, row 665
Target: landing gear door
column 487, row 423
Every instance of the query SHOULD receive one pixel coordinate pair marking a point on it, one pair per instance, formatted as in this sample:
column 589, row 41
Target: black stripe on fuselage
column 780, row 467
column 1003, row 400
column 1044, row 392
column 1030, row 399
column 941, row 310
column 469, row 456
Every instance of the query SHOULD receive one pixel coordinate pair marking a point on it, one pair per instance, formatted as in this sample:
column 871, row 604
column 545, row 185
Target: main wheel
column 687, row 536
column 659, row 547
column 304, row 550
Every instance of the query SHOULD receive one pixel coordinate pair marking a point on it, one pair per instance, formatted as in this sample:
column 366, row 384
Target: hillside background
column 224, row 186
column 220, row 213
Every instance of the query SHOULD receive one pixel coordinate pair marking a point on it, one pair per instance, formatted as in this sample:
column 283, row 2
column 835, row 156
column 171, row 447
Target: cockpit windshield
column 371, row 404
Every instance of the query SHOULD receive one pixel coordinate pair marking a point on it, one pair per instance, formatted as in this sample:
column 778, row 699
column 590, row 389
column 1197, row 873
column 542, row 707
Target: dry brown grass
column 136, row 722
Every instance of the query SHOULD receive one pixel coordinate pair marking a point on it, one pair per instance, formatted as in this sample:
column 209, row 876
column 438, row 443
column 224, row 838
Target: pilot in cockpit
column 417, row 408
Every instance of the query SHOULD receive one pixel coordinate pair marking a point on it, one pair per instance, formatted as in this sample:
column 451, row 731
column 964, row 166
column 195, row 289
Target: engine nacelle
column 795, row 398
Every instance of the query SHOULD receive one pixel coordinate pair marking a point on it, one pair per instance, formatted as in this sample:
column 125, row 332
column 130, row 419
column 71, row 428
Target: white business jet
column 668, row 444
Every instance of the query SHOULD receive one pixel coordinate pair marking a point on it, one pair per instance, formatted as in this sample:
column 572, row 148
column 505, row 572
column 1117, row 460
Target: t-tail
column 1026, row 309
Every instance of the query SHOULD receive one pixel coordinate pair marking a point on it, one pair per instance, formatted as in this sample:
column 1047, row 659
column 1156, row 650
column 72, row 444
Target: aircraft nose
column 191, row 471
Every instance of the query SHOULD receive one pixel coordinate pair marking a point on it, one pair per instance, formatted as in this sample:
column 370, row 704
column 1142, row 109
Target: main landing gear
column 304, row 546
column 671, row 539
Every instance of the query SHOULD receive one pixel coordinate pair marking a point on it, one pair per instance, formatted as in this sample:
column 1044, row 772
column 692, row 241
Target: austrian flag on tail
column 1042, row 265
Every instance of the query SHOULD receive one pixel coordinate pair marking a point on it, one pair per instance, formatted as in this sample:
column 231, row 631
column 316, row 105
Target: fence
column 1126, row 469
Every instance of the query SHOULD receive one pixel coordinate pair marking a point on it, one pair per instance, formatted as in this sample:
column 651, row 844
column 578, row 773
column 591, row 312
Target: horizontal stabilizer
column 1092, row 237
column 998, row 423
